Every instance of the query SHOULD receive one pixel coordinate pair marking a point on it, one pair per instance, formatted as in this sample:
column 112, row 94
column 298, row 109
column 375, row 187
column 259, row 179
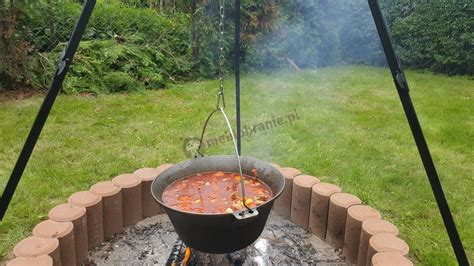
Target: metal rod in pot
column 238, row 160
column 221, row 109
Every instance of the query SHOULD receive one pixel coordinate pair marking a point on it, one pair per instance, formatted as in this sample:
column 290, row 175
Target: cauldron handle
column 245, row 213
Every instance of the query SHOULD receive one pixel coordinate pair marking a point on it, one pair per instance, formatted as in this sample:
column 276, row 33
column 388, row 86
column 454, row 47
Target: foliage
column 438, row 35
column 96, row 59
column 13, row 54
column 273, row 32
column 151, row 49
column 294, row 34
column 159, row 42
column 426, row 34
column 359, row 42
column 120, row 82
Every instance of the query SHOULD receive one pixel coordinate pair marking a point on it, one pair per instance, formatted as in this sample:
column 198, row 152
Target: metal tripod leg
column 404, row 94
column 43, row 113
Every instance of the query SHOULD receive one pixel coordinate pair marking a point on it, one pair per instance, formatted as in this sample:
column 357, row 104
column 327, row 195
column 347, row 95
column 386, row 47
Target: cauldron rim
column 269, row 201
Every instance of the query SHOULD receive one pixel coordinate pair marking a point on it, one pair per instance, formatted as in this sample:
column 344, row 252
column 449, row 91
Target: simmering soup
column 215, row 192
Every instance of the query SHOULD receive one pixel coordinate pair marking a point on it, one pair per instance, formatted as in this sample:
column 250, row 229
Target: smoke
column 316, row 34
column 279, row 37
column 312, row 34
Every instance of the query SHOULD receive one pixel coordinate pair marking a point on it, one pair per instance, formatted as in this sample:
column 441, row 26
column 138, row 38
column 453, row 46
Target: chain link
column 220, row 95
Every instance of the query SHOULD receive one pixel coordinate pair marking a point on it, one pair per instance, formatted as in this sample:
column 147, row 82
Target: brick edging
column 327, row 206
column 308, row 202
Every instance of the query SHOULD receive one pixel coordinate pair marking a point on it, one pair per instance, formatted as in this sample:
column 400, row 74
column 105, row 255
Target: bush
column 125, row 60
column 438, row 35
column 121, row 82
column 135, row 39
column 123, row 41
column 293, row 35
column 359, row 41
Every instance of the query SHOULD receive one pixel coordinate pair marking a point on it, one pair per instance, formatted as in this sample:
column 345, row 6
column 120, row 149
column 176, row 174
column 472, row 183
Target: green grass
column 351, row 130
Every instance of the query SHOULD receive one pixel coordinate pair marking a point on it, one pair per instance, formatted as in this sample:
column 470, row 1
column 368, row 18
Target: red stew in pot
column 215, row 192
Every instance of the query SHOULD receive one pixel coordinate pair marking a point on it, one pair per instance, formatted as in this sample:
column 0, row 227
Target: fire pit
column 154, row 241
column 312, row 222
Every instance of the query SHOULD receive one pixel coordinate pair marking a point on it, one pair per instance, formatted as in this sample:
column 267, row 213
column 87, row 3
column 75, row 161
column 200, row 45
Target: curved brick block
column 338, row 205
column 282, row 205
column 301, row 199
column 64, row 232
column 33, row 246
column 95, row 215
column 318, row 215
column 131, row 187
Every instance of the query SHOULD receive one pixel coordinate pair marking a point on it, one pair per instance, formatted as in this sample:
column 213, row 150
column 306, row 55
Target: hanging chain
column 220, row 95
column 220, row 108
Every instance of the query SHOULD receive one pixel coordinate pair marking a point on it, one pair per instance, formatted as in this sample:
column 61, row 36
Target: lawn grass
column 351, row 131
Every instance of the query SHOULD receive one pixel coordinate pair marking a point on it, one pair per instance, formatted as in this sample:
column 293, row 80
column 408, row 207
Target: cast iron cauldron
column 219, row 233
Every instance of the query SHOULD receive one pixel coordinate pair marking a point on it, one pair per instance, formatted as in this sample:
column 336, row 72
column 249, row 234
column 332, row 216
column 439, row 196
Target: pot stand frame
column 404, row 93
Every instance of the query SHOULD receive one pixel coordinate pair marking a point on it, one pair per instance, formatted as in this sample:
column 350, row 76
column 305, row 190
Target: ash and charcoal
column 151, row 242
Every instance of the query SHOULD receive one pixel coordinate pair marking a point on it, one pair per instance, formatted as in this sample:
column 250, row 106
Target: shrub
column 155, row 49
column 121, row 82
column 141, row 44
column 97, row 59
column 438, row 35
